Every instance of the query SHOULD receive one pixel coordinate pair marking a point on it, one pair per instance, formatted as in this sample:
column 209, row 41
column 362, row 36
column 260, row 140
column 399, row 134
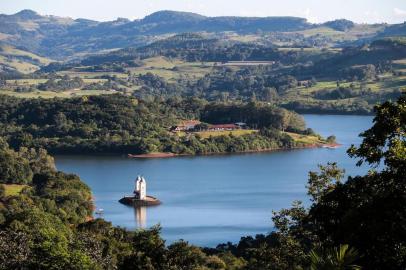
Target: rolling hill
column 65, row 38
column 17, row 60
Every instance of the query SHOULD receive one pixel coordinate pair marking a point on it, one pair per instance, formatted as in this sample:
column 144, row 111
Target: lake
column 209, row 200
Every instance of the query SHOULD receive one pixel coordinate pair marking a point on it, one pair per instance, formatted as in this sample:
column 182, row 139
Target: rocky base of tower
column 133, row 201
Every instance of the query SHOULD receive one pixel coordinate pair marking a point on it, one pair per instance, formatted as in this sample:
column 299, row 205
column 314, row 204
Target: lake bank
column 171, row 155
column 211, row 199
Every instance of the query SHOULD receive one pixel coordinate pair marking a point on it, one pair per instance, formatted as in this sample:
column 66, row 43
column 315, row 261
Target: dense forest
column 121, row 124
column 357, row 223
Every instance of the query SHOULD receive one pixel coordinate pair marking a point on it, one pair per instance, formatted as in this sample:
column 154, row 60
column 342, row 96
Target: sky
column 316, row 11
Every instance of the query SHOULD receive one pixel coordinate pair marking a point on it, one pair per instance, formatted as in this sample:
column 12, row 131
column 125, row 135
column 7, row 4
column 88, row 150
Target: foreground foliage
column 367, row 213
column 353, row 224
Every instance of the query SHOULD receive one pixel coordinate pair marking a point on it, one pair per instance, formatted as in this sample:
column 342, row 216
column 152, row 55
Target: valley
column 270, row 143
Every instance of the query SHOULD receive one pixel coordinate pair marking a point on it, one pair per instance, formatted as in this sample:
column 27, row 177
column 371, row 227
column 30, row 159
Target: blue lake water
column 208, row 200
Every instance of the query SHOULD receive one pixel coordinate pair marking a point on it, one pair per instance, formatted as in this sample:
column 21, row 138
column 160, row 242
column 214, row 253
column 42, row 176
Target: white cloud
column 307, row 13
column 399, row 12
column 373, row 16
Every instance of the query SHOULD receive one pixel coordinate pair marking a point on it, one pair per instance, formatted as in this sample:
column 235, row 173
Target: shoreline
column 172, row 155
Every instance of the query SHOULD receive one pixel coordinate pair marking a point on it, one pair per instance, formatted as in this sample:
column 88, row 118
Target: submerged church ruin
column 140, row 197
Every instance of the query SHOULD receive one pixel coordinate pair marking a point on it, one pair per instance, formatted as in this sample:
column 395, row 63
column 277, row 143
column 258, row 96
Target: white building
column 140, row 188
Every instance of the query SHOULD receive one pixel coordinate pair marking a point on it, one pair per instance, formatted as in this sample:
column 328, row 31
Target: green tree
column 319, row 184
column 183, row 256
column 14, row 168
column 385, row 141
column 39, row 160
column 149, row 251
column 331, row 139
column 368, row 212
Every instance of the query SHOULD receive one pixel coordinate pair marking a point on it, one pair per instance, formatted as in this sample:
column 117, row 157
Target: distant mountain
column 58, row 37
column 394, row 30
column 27, row 14
column 173, row 46
column 29, row 30
column 169, row 21
column 62, row 38
column 166, row 16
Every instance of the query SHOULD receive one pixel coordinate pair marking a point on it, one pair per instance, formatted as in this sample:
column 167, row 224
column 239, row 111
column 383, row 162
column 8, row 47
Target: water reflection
column 141, row 216
column 213, row 199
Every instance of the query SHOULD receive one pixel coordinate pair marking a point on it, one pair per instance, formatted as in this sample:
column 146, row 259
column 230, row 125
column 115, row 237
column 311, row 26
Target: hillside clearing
column 305, row 139
column 236, row 133
column 13, row 189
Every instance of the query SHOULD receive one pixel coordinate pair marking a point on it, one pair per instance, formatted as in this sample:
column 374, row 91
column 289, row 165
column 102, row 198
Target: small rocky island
column 140, row 197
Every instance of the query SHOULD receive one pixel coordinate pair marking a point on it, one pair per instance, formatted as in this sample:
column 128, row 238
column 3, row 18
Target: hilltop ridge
column 63, row 38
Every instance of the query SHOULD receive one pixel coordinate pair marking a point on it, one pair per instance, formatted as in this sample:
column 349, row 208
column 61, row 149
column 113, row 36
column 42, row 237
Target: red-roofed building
column 186, row 125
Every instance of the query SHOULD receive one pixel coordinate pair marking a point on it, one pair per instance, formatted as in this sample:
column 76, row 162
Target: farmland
column 313, row 79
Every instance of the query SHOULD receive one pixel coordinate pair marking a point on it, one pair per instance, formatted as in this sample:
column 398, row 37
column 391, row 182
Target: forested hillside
column 120, row 124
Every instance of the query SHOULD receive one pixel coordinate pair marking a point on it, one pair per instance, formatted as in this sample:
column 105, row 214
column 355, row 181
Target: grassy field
column 173, row 69
column 298, row 138
column 305, row 139
column 52, row 94
column 169, row 69
column 239, row 132
column 295, row 49
column 387, row 83
column 351, row 34
column 325, row 31
column 18, row 65
column 86, row 75
column 13, row 189
column 243, row 38
column 25, row 82
column 34, row 82
column 19, row 60
column 11, row 51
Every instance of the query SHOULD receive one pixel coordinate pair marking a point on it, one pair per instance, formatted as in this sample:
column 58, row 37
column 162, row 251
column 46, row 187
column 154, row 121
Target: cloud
column 308, row 14
column 399, row 12
column 373, row 16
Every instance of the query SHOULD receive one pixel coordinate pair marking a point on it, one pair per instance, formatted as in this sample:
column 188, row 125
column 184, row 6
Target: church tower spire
column 140, row 188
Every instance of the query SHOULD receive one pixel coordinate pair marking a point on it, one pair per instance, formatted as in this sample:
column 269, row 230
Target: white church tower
column 140, row 188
